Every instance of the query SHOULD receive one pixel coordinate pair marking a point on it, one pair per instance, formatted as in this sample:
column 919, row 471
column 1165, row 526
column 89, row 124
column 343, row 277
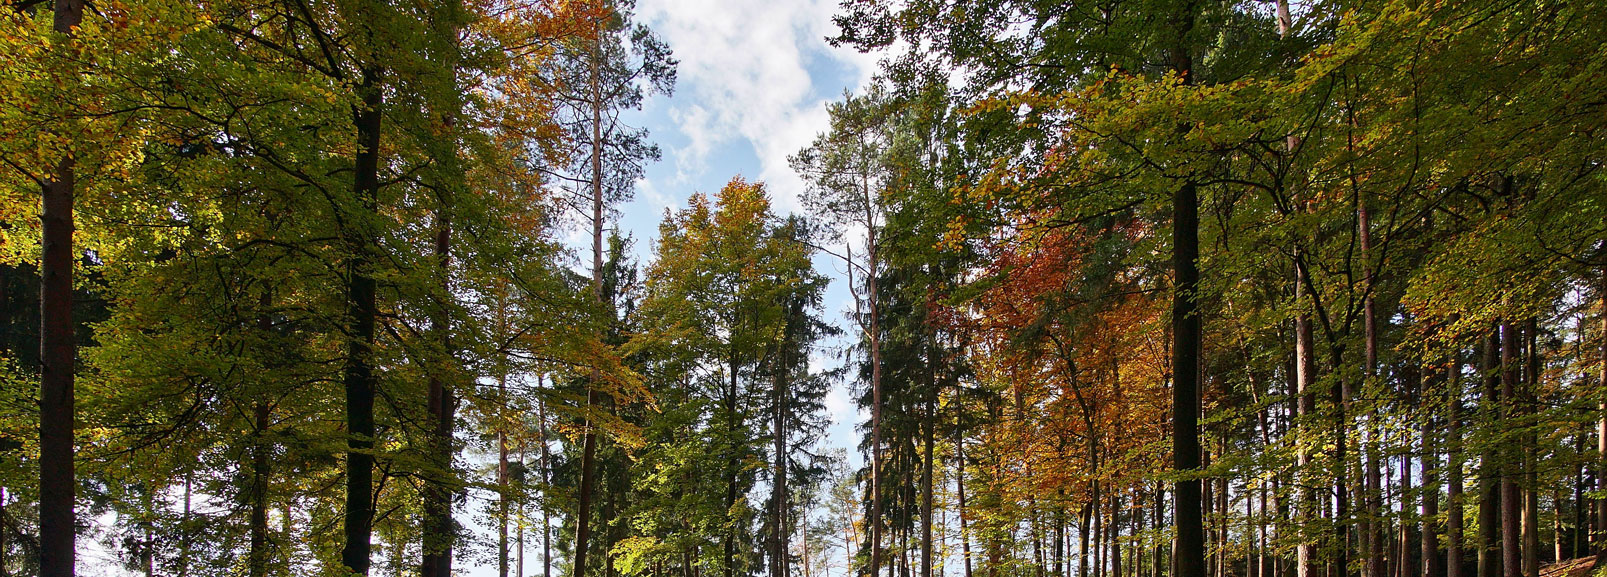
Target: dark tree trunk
column 778, row 489
column 928, row 442
column 57, row 350
column 1531, row 496
column 1511, row 493
column 362, row 309
column 257, row 555
column 438, row 532
column 1454, row 471
column 1190, row 556
column 1489, row 468
column 959, row 490
column 1601, row 430
column 588, row 451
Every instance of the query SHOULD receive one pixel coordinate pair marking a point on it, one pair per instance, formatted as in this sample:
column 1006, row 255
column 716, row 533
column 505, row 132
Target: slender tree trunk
column 502, row 477
column 519, row 567
column 1407, row 565
column 930, row 433
column 875, row 520
column 1531, row 497
column 546, row 483
column 959, row 490
column 438, row 536
column 1511, row 493
column 1601, row 429
column 257, row 554
column 588, row 452
column 362, row 309
column 1305, row 377
column 1454, row 471
column 1082, row 540
column 1190, row 558
column 57, row 351
column 1489, row 468
column 778, row 492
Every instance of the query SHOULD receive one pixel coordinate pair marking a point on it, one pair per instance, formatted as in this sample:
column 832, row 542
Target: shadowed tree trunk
column 1511, row 494
column 1489, row 470
column 358, row 522
column 57, row 351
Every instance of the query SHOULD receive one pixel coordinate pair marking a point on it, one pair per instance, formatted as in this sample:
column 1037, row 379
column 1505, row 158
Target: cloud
column 756, row 72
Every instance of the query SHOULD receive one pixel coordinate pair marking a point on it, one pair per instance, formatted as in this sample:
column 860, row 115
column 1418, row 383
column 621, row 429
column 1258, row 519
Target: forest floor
column 1571, row 568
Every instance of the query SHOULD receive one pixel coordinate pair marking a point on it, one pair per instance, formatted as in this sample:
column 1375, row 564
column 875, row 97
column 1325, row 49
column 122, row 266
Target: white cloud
column 745, row 64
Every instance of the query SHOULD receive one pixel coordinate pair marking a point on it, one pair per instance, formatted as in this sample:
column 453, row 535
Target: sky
column 753, row 81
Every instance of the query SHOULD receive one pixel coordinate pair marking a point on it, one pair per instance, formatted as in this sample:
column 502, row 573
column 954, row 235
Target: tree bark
column 1305, row 408
column 1601, row 430
column 588, row 451
column 257, row 554
column 1489, row 469
column 438, row 535
column 362, row 309
column 1454, row 471
column 1531, row 497
column 57, row 351
column 1190, row 556
column 1511, row 493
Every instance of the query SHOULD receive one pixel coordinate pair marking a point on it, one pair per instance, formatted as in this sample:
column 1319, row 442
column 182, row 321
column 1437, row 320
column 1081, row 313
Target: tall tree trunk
column 1601, row 429
column 1407, row 565
column 959, row 490
column 875, row 520
column 1531, row 497
column 928, row 441
column 57, row 350
column 1511, row 493
column 1305, row 409
column 257, row 554
column 546, row 484
column 362, row 309
column 519, row 566
column 778, row 489
column 1454, row 471
column 438, row 535
column 588, row 451
column 1489, row 468
column 502, row 477
column 1190, row 556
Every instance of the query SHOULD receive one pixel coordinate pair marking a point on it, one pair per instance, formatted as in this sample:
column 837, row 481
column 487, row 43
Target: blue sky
column 753, row 83
column 752, row 87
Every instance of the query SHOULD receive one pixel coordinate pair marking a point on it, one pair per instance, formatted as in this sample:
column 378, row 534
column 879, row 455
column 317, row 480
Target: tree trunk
column 1531, row 497
column 1601, row 430
column 1454, row 471
column 875, row 520
column 930, row 430
column 57, row 351
column 438, row 535
column 1305, row 409
column 1190, row 557
column 1489, row 468
column 1407, row 565
column 778, row 492
column 1511, row 493
column 502, row 477
column 959, row 490
column 257, row 554
column 546, row 483
column 359, row 373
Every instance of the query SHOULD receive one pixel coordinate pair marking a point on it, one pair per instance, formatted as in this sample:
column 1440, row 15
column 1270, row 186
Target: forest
column 1136, row 288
